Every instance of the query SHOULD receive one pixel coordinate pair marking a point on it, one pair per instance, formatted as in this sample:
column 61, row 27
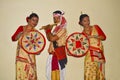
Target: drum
column 77, row 44
column 33, row 42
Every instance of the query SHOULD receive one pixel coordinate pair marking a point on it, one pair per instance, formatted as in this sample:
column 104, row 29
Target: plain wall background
column 105, row 13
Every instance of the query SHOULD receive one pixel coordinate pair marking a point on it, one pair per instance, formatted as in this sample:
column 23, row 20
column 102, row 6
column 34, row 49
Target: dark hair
column 33, row 15
column 82, row 16
column 57, row 12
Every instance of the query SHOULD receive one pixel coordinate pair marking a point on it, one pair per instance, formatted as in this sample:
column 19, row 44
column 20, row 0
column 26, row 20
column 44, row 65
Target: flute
column 49, row 25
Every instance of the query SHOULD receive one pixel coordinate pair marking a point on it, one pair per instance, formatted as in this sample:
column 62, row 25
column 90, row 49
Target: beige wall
column 105, row 13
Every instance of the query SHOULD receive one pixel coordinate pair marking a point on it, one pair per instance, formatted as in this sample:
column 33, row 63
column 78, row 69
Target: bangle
column 48, row 31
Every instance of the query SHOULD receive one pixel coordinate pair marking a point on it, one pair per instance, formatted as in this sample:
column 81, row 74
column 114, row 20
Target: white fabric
column 49, row 67
column 62, row 74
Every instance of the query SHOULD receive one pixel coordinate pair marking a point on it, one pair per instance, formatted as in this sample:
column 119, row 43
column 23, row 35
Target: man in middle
column 57, row 59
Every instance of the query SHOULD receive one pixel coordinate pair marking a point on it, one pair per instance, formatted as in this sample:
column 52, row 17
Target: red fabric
column 95, row 49
column 48, row 31
column 55, row 63
column 92, row 57
column 103, row 57
column 60, row 53
column 97, row 55
column 100, row 32
column 20, row 29
column 63, row 22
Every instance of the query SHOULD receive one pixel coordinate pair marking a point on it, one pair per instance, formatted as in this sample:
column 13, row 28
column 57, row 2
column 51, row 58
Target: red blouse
column 100, row 32
column 18, row 31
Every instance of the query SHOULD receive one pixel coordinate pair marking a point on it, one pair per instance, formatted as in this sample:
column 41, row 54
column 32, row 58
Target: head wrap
column 63, row 21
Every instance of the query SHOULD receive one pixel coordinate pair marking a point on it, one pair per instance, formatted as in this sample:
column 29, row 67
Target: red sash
column 60, row 52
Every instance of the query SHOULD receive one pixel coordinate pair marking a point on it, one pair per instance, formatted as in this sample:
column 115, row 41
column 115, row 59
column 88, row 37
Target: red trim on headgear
column 63, row 22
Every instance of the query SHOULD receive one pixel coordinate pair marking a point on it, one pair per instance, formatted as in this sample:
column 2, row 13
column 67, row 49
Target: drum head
column 33, row 42
column 77, row 44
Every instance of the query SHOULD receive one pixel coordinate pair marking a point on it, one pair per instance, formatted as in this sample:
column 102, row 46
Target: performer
column 57, row 59
column 25, row 63
column 94, row 65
